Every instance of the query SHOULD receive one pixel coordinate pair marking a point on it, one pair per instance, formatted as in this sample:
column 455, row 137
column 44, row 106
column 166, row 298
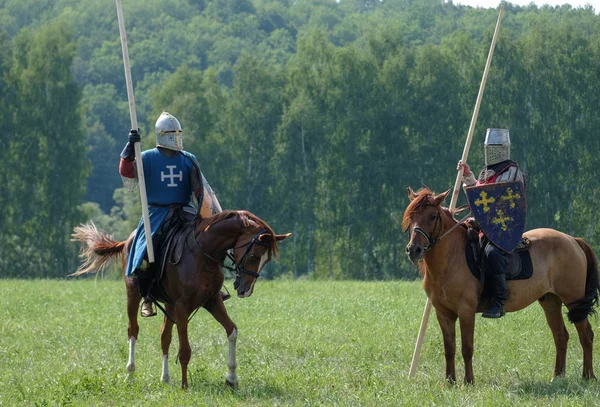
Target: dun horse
column 565, row 271
column 196, row 279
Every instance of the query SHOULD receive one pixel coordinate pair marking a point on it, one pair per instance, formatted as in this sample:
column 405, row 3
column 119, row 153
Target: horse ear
column 411, row 194
column 282, row 237
column 438, row 199
column 277, row 237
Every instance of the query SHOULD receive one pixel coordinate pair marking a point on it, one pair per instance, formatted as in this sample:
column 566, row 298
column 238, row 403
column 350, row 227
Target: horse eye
column 432, row 217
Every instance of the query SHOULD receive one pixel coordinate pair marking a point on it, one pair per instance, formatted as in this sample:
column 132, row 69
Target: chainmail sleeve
column 469, row 180
column 130, row 184
column 128, row 173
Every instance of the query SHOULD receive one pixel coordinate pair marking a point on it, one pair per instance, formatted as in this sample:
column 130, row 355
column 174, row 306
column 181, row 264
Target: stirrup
column 225, row 295
column 147, row 309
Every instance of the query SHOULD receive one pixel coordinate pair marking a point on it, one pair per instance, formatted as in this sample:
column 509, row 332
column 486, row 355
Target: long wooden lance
column 424, row 321
column 134, row 125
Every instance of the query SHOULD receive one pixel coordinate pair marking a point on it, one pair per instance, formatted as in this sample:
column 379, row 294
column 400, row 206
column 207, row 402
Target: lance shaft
column 424, row 321
column 134, row 125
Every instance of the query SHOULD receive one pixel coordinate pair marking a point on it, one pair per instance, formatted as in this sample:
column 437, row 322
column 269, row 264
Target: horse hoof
column 231, row 385
column 131, row 368
column 164, row 379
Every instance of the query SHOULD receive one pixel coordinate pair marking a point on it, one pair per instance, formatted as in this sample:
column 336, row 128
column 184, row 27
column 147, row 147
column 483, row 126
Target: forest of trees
column 314, row 114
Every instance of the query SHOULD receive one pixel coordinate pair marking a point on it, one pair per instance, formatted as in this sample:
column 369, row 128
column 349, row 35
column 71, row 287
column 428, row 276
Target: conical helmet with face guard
column 168, row 132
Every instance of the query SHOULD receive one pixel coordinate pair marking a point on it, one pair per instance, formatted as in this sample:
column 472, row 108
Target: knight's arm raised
column 469, row 180
column 127, row 162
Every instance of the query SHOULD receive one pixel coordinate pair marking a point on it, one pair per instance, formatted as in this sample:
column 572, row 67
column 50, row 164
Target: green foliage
column 314, row 114
column 351, row 346
column 44, row 160
column 123, row 217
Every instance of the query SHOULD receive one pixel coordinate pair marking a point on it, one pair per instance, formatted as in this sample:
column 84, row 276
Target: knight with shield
column 497, row 200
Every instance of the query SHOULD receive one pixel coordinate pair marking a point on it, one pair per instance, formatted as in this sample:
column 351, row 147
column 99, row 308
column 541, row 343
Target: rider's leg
column 144, row 275
column 497, row 264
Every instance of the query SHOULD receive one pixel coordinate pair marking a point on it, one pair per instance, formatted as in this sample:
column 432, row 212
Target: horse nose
column 414, row 252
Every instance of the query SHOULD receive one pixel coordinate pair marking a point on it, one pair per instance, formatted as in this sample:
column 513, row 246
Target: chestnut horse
column 565, row 271
column 195, row 281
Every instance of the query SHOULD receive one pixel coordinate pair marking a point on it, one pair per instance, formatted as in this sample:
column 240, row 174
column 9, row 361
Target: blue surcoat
column 168, row 182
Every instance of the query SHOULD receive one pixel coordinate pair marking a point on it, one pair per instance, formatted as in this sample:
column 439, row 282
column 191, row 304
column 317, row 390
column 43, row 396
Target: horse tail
column 585, row 306
column 97, row 250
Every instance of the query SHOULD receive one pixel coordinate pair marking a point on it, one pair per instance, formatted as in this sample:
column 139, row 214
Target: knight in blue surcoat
column 175, row 187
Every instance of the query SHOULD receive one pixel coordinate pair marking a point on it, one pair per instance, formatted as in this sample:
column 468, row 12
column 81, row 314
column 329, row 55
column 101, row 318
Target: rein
column 433, row 241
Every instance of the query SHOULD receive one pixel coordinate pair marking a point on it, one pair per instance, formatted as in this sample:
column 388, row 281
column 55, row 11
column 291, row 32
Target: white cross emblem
column 171, row 176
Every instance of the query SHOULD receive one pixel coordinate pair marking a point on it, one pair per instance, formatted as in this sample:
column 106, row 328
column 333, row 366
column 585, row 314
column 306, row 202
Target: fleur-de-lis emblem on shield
column 500, row 210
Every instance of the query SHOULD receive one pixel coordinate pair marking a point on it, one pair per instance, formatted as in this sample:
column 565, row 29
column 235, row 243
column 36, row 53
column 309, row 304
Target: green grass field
column 301, row 343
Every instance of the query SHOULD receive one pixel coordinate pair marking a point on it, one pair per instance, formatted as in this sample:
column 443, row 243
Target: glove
column 134, row 136
column 128, row 152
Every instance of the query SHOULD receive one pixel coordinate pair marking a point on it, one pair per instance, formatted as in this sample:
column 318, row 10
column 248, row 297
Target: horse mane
column 245, row 219
column 206, row 223
column 424, row 197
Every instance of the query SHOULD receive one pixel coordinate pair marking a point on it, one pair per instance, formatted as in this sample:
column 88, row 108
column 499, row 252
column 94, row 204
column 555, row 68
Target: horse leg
column 185, row 350
column 467, row 330
column 218, row 311
column 166, row 334
column 586, row 338
column 133, row 329
column 552, row 306
column 447, row 323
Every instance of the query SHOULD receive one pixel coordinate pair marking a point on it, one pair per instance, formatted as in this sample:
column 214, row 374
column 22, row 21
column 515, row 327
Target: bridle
column 431, row 241
column 240, row 268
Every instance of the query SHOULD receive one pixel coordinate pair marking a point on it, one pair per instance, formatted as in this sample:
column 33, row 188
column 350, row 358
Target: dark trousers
column 496, row 267
column 496, row 260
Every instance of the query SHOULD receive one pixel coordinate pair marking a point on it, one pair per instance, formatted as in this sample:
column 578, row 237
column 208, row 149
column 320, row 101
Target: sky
column 495, row 3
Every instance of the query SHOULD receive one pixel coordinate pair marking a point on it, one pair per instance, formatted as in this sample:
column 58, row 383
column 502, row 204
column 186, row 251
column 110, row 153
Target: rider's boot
column 144, row 277
column 498, row 282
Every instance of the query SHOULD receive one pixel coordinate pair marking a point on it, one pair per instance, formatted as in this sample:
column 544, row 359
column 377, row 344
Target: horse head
column 253, row 244
column 423, row 220
column 252, row 251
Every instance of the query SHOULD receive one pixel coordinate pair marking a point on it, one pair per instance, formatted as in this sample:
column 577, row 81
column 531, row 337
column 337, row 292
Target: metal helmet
column 496, row 146
column 168, row 132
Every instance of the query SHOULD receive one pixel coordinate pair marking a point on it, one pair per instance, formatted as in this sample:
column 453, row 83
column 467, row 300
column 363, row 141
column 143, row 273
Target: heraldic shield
column 500, row 210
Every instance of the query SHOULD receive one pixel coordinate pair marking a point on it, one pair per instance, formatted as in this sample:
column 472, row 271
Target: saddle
column 175, row 236
column 519, row 261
